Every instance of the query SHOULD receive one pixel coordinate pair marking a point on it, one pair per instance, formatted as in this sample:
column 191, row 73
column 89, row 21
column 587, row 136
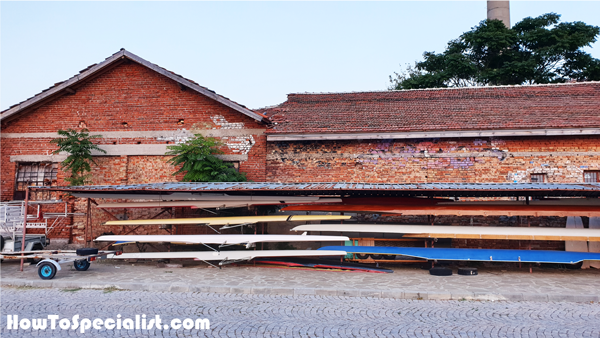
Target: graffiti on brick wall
column 569, row 173
column 237, row 144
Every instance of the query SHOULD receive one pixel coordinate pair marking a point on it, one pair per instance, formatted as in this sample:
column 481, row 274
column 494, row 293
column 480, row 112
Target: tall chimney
column 499, row 10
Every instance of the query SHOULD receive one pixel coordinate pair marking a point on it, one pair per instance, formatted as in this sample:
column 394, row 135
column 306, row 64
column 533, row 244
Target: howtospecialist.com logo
column 52, row 322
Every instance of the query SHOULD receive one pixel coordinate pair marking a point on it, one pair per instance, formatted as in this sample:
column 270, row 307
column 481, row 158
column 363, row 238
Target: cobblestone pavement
column 246, row 315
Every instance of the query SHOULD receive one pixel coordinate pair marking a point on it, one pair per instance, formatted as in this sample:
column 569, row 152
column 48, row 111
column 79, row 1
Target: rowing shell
column 216, row 239
column 494, row 255
column 228, row 255
column 463, row 232
column 231, row 220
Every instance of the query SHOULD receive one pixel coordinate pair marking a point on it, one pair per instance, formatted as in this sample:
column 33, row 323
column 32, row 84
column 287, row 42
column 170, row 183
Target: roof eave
column 11, row 112
column 431, row 134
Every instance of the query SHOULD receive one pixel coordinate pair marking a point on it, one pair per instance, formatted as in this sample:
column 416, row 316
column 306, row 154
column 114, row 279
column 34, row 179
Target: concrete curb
column 393, row 294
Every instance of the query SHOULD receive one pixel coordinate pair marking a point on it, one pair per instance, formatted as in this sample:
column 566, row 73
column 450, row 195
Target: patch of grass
column 111, row 289
column 168, row 271
column 25, row 287
column 71, row 290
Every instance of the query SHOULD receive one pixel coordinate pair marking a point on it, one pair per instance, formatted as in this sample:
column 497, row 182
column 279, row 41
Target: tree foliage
column 197, row 160
column 79, row 146
column 535, row 50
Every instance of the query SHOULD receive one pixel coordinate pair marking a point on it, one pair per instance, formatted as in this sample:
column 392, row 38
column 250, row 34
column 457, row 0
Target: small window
column 235, row 164
column 591, row 176
column 36, row 174
column 539, row 178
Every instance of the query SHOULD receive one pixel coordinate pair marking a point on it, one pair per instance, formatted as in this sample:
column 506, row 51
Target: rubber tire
column 81, row 265
column 389, row 257
column 362, row 256
column 1, row 243
column 377, row 256
column 35, row 260
column 46, row 270
column 467, row 271
column 440, row 271
column 575, row 266
column 86, row 251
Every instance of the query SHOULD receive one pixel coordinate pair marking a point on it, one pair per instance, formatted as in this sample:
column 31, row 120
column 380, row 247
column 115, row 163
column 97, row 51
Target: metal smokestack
column 499, row 10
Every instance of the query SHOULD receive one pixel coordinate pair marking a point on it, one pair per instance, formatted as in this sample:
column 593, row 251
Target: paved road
column 249, row 315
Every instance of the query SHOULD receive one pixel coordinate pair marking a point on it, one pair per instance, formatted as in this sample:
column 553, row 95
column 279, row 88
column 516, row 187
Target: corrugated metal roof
column 353, row 188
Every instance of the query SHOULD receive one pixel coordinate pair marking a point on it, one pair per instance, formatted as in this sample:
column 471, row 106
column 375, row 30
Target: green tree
column 197, row 160
column 79, row 146
column 535, row 50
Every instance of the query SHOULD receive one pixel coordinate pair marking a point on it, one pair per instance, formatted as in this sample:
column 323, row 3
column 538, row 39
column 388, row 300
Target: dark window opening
column 591, row 176
column 34, row 174
column 235, row 164
column 539, row 178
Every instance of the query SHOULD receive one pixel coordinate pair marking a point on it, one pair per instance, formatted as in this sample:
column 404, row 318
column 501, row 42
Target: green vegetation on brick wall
column 199, row 163
column 79, row 146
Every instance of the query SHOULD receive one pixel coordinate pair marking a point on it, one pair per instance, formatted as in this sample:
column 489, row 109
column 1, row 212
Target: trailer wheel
column 377, row 256
column 46, row 271
column 37, row 246
column 362, row 256
column 81, row 265
column 440, row 271
column 467, row 271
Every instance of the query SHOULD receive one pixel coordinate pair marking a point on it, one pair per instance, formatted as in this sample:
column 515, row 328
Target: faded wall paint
column 492, row 160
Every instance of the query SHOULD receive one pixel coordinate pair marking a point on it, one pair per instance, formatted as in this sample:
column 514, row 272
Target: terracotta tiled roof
column 555, row 106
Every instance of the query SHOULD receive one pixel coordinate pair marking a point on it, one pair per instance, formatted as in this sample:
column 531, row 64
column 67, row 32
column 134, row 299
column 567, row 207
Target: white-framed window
column 538, row 178
column 591, row 176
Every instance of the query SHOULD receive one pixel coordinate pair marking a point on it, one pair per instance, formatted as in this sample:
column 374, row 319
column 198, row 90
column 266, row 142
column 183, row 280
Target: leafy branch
column 199, row 163
column 79, row 147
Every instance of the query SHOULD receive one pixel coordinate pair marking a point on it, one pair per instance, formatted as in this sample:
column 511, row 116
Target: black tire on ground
column 46, row 270
column 389, row 257
column 86, row 251
column 362, row 256
column 467, row 271
column 440, row 271
column 575, row 266
column 377, row 256
column 35, row 260
column 81, row 265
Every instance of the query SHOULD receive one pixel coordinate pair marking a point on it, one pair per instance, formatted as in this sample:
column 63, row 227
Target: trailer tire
column 440, row 271
column 81, row 265
column 37, row 246
column 1, row 243
column 46, row 270
column 362, row 256
column 377, row 256
column 86, row 251
column 467, row 271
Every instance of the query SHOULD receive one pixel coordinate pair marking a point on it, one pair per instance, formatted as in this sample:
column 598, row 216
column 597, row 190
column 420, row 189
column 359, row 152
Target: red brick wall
column 146, row 101
column 563, row 159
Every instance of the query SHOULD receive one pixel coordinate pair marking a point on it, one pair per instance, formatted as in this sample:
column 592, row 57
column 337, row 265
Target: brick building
column 542, row 133
column 139, row 109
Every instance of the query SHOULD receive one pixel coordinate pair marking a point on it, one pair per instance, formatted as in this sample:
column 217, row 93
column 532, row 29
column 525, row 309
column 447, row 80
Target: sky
column 254, row 53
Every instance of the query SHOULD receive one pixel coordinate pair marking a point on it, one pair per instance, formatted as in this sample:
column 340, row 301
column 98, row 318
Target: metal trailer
column 52, row 259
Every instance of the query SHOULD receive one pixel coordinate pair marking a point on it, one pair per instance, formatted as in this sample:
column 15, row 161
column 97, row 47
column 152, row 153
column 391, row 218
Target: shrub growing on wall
column 79, row 146
column 197, row 159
